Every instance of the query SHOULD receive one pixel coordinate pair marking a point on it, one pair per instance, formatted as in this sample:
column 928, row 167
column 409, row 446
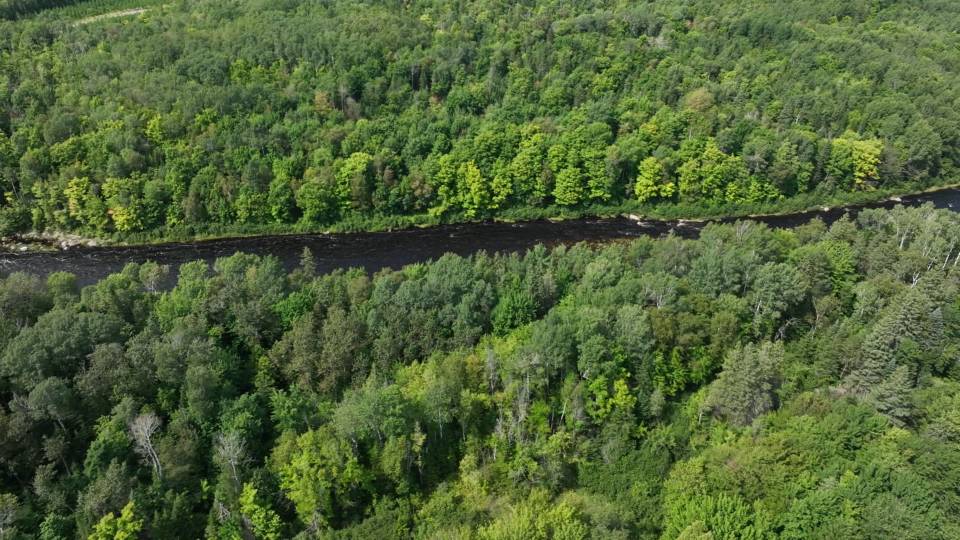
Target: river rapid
column 394, row 249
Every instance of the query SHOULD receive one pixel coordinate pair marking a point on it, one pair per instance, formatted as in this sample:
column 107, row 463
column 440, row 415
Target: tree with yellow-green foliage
column 568, row 186
column 649, row 183
column 319, row 474
column 475, row 193
column 354, row 181
column 85, row 206
column 111, row 527
column 444, row 182
column 709, row 174
column 264, row 522
column 537, row 519
column 526, row 167
column 124, row 201
column 854, row 162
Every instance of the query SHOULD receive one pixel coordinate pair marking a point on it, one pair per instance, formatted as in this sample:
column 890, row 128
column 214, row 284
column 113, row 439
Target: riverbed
column 394, row 249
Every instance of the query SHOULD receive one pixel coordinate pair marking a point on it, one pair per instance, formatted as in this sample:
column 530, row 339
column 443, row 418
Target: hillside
column 241, row 116
column 754, row 383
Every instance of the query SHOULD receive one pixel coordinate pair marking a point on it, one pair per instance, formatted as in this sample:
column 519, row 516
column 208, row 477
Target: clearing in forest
column 111, row 15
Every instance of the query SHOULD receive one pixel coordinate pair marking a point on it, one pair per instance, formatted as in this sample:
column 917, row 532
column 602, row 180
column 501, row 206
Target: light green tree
column 322, row 470
column 354, row 182
column 537, row 519
column 720, row 517
column 264, row 522
column 715, row 171
column 649, row 181
column 124, row 199
column 111, row 527
column 444, row 182
column 853, row 162
column 595, row 170
column 568, row 187
column 318, row 198
column 527, row 166
column 502, row 185
column 474, row 190
column 710, row 174
column 84, row 206
column 154, row 131
column 6, row 150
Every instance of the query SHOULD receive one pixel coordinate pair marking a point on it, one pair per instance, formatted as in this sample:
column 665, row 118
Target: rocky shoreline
column 46, row 241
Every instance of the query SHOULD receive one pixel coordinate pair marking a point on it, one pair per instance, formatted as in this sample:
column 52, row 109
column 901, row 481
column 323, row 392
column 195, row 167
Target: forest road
column 111, row 15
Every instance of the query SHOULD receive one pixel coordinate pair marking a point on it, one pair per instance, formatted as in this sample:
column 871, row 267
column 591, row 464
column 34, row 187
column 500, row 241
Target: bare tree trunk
column 232, row 452
column 142, row 430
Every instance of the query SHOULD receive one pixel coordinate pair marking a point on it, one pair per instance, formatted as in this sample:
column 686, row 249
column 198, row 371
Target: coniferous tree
column 745, row 387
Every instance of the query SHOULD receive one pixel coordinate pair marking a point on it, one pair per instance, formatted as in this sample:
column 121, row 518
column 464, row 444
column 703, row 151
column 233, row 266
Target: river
column 394, row 249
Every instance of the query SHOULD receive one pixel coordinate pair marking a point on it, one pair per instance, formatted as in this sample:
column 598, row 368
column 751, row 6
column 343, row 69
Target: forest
column 212, row 116
column 754, row 383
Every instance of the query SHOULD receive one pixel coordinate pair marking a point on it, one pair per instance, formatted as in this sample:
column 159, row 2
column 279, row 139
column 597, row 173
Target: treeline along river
column 394, row 249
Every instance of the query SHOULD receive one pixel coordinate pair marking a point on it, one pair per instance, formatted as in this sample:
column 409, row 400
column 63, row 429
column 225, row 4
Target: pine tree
column 892, row 395
column 745, row 388
column 906, row 320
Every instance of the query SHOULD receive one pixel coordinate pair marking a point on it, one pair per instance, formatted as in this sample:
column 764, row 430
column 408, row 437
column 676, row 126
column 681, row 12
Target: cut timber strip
column 111, row 15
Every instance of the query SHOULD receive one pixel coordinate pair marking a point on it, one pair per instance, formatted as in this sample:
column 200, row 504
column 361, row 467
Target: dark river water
column 394, row 249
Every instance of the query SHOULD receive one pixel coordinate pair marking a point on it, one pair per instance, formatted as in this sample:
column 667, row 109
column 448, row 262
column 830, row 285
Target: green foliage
column 331, row 121
column 745, row 388
column 10, row 512
column 264, row 522
column 111, row 527
column 321, row 474
column 650, row 182
column 537, row 519
column 853, row 162
column 753, row 383
column 569, row 186
column 720, row 517
column 515, row 309
column 669, row 374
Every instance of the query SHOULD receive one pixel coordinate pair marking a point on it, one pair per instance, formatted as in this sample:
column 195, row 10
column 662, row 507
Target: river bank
column 357, row 223
column 374, row 251
column 48, row 241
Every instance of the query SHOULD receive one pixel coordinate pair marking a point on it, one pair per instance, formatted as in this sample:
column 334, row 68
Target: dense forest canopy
column 15, row 9
column 754, row 383
column 247, row 113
